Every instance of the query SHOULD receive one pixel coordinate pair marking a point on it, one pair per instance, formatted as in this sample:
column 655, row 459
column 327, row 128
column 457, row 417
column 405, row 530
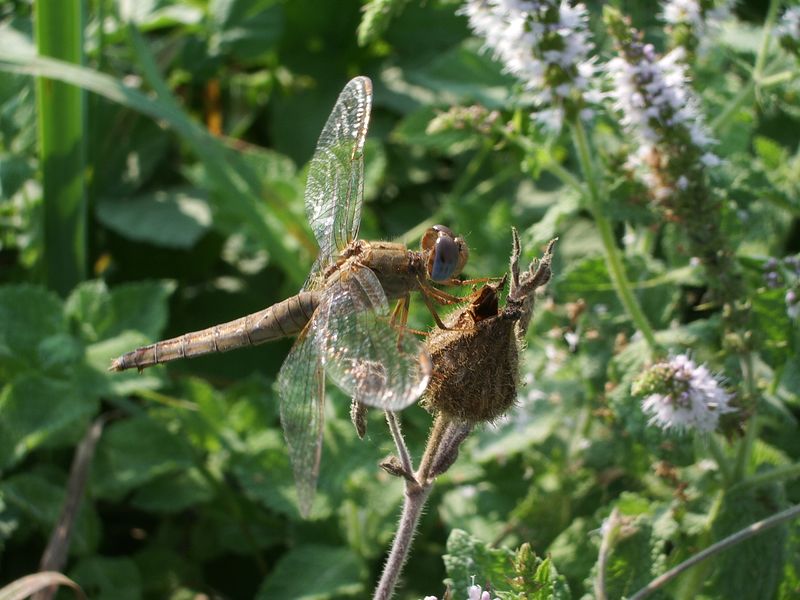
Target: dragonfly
column 345, row 330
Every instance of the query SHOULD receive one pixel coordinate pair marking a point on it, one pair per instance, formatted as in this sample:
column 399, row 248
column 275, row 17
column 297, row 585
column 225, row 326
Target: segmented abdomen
column 274, row 322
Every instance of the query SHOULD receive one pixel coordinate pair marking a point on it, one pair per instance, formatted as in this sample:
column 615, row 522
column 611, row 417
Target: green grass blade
column 62, row 147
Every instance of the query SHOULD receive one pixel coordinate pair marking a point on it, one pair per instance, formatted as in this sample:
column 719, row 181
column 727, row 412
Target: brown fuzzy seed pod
column 475, row 361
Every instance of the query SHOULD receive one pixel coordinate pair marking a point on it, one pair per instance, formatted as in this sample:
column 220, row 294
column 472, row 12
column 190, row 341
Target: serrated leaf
column 104, row 578
column 171, row 219
column 102, row 313
column 772, row 324
column 28, row 314
column 37, row 410
column 133, row 452
column 629, row 567
column 770, row 152
column 336, row 572
column 266, row 477
column 35, row 496
column 468, row 557
column 753, row 568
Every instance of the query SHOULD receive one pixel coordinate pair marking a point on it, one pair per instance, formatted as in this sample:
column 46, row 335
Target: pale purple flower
column 792, row 304
column 474, row 592
column 661, row 111
column 692, row 13
column 789, row 27
column 543, row 43
column 689, row 397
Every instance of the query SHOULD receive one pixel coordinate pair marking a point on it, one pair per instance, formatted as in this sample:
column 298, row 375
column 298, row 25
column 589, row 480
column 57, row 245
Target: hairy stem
column 399, row 441
column 413, row 503
column 416, row 494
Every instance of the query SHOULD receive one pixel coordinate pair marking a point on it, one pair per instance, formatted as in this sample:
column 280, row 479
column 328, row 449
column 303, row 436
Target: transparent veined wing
column 301, row 385
column 335, row 185
column 363, row 353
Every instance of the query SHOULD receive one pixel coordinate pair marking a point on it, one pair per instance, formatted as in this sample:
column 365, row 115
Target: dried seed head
column 476, row 360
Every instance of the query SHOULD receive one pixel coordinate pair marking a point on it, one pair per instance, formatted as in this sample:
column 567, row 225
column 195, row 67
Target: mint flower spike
column 682, row 395
column 545, row 44
column 662, row 112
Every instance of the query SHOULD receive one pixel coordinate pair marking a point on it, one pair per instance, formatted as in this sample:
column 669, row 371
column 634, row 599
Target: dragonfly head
column 445, row 254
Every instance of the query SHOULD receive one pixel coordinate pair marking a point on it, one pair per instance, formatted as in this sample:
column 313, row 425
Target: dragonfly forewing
column 335, row 185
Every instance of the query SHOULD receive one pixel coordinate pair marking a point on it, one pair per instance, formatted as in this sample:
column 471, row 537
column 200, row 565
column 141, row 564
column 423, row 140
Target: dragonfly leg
column 438, row 295
column 456, row 282
column 400, row 318
column 432, row 308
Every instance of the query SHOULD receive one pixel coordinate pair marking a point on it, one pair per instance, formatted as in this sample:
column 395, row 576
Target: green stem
column 782, row 473
column 616, row 269
column 552, row 165
column 721, row 120
column 62, row 147
column 766, row 39
column 757, row 79
column 719, row 455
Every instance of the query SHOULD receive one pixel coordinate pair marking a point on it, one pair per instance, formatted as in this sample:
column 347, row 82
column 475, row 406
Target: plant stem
column 399, row 441
column 62, row 147
column 416, row 494
column 782, row 473
column 616, row 269
column 766, row 39
column 724, row 544
column 722, row 460
column 413, row 502
column 757, row 79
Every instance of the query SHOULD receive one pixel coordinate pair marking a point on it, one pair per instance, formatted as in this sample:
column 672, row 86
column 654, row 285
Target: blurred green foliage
column 200, row 119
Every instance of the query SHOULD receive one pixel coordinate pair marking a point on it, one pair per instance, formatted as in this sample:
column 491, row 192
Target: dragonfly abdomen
column 274, row 322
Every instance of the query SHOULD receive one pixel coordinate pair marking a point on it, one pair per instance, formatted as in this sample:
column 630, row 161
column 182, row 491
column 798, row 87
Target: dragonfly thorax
column 398, row 269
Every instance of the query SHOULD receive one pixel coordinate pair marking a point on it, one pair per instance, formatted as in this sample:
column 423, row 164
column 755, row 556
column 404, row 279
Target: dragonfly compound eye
column 444, row 258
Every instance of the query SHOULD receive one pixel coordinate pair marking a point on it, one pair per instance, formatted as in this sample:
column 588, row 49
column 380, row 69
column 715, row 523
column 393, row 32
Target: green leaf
column 773, row 325
column 753, row 568
column 28, row 314
column 173, row 493
column 39, row 500
column 102, row 313
column 770, row 152
column 468, row 557
column 464, row 74
column 172, row 219
column 519, row 575
column 266, row 477
column 315, row 572
column 37, row 410
column 104, row 578
column 134, row 452
column 248, row 28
